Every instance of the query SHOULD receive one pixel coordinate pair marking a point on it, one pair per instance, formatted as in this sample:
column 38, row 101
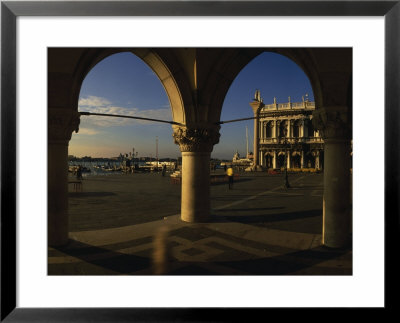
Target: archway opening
column 126, row 162
column 278, row 94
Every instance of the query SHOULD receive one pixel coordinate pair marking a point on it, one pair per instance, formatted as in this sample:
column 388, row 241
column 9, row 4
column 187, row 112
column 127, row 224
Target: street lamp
column 286, row 184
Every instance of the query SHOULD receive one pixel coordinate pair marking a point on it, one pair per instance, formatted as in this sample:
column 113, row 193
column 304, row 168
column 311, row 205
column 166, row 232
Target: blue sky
column 124, row 84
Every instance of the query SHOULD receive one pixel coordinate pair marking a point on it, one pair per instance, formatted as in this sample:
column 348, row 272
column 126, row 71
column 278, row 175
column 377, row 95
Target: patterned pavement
column 264, row 231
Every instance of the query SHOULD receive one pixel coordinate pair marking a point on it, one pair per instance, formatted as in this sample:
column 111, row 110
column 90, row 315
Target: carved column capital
column 61, row 123
column 256, row 106
column 332, row 122
column 196, row 139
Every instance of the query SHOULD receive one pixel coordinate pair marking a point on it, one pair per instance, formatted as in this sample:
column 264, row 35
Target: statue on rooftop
column 257, row 96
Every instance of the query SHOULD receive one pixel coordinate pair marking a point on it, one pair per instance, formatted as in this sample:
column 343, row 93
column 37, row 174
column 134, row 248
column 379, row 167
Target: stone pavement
column 130, row 225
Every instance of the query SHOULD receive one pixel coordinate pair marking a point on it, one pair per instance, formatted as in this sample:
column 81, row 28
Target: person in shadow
column 229, row 172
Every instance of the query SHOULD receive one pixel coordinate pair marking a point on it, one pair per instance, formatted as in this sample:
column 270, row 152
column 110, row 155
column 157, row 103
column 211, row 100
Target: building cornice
column 284, row 113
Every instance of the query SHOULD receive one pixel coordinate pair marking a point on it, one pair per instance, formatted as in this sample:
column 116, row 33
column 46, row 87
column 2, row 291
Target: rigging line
column 129, row 117
column 83, row 113
column 236, row 120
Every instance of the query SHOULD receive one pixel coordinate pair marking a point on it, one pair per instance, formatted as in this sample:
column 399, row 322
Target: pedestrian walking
column 229, row 172
column 79, row 173
column 164, row 169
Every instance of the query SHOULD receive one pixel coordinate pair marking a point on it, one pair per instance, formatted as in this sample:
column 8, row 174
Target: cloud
column 95, row 104
column 93, row 101
column 88, row 131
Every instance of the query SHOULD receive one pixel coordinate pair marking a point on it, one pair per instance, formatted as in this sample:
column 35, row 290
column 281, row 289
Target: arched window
column 296, row 129
column 283, row 129
column 310, row 129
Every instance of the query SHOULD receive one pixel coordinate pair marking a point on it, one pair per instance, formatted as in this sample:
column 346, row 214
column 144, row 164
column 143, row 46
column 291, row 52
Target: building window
column 296, row 129
column 310, row 129
column 283, row 129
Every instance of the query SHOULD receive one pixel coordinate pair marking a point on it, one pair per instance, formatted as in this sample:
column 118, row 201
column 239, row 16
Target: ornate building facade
column 285, row 131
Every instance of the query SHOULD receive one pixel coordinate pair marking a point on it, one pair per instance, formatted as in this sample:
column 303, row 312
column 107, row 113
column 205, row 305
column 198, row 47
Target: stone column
column 336, row 132
column 256, row 106
column 277, row 129
column 196, row 145
column 61, row 123
column 264, row 132
column 301, row 129
column 302, row 159
column 290, row 126
column 256, row 141
column 274, row 160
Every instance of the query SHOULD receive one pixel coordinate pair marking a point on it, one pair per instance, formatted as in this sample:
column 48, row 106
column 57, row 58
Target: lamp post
column 286, row 184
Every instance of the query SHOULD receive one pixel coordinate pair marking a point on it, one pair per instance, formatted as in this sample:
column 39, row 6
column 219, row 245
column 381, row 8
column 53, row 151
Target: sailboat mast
column 247, row 143
column 157, row 149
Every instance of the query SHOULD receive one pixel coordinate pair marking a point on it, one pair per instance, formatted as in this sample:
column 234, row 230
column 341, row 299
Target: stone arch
column 296, row 128
column 268, row 158
column 178, row 94
column 310, row 128
column 229, row 65
column 295, row 159
column 280, row 161
column 310, row 160
column 283, row 129
column 269, row 129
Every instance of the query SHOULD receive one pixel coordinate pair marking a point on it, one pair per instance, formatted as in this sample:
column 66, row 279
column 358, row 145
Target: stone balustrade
column 290, row 105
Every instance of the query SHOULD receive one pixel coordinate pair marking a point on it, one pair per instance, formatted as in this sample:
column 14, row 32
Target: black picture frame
column 10, row 10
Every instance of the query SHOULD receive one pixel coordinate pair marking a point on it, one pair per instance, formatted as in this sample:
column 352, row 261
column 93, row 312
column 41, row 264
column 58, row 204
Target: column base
column 333, row 244
column 198, row 218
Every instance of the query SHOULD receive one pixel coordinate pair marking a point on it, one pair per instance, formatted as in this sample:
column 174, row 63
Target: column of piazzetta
column 61, row 123
column 196, row 145
column 332, row 122
column 256, row 105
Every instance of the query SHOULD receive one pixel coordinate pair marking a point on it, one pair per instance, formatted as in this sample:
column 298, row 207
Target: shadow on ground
column 240, row 180
column 90, row 194
column 265, row 218
column 103, row 261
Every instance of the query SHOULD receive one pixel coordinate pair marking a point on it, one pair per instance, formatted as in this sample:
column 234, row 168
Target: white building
column 285, row 131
